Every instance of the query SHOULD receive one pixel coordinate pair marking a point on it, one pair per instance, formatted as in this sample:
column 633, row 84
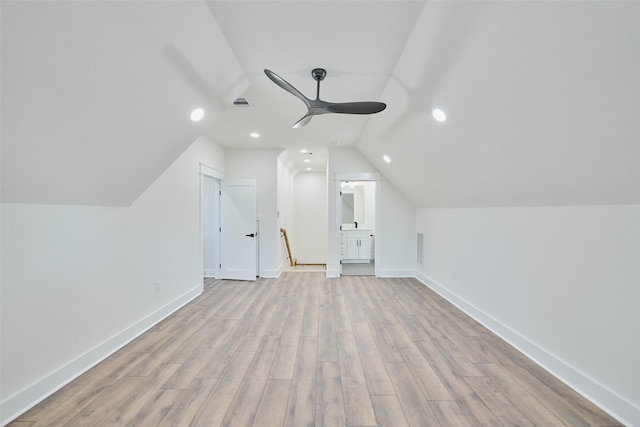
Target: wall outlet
column 157, row 287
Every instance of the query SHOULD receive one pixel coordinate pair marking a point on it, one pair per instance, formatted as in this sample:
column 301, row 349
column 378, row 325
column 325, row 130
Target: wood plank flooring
column 305, row 350
column 359, row 269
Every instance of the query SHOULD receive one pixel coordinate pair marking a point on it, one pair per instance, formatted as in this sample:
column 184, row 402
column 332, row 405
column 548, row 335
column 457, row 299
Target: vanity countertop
column 351, row 227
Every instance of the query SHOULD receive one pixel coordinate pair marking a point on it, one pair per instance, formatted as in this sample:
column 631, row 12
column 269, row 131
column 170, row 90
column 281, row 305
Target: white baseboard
column 395, row 273
column 381, row 273
column 20, row 402
column 332, row 272
column 210, row 272
column 271, row 274
column 620, row 408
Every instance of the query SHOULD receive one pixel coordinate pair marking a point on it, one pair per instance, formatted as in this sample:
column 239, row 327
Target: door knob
column 250, row 235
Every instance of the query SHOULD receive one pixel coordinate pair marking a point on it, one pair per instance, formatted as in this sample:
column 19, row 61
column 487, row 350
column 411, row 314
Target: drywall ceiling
column 542, row 98
column 358, row 43
column 96, row 95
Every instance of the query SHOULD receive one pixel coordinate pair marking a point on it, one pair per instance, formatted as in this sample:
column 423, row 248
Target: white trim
column 271, row 274
column 210, row 273
column 209, row 171
column 356, row 176
column 215, row 243
column 619, row 407
column 25, row 399
column 395, row 273
column 375, row 177
column 337, row 212
column 332, row 273
column 378, row 235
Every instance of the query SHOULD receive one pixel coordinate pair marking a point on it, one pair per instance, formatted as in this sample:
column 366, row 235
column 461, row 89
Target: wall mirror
column 356, row 198
column 347, row 208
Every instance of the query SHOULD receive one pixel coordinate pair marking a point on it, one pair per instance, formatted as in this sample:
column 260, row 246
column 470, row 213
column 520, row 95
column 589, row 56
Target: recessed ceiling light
column 439, row 115
column 255, row 135
column 304, row 150
column 197, row 114
column 307, row 161
column 386, row 158
column 308, row 169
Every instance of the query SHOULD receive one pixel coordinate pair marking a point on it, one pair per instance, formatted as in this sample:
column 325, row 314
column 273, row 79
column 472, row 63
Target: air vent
column 242, row 103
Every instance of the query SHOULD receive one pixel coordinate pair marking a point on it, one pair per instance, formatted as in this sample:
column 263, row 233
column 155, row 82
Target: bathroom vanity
column 356, row 245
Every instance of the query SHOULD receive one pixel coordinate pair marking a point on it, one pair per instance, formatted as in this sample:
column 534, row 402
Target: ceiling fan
column 317, row 106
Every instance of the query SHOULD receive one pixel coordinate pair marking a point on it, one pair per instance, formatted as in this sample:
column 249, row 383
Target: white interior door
column 238, row 234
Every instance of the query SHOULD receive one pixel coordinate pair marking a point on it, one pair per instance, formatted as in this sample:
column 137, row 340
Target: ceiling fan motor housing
column 319, row 74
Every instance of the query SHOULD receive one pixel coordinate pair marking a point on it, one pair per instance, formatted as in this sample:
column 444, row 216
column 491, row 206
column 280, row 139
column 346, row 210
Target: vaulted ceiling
column 542, row 98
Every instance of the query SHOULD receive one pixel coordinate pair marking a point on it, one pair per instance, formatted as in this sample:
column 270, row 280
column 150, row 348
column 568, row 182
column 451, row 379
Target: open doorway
column 302, row 210
column 210, row 219
column 306, row 231
column 357, row 206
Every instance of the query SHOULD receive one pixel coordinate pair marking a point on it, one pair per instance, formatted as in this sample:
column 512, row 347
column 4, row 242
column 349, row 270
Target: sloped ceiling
column 542, row 98
column 96, row 95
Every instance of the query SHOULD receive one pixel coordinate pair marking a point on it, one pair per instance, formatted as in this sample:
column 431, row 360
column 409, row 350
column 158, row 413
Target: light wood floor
column 359, row 269
column 305, row 350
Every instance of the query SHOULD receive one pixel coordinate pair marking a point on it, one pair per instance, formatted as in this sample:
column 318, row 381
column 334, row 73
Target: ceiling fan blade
column 287, row 86
column 303, row 121
column 356, row 107
column 318, row 106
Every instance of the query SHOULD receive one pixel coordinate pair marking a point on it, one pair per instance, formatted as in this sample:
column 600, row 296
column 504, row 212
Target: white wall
column 369, row 206
column 560, row 283
column 78, row 282
column 261, row 165
column 398, row 236
column 395, row 221
column 310, row 217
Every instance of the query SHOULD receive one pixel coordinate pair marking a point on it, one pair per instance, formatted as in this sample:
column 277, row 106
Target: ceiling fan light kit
column 317, row 106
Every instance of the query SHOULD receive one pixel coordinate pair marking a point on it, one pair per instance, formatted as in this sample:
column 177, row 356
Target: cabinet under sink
column 356, row 245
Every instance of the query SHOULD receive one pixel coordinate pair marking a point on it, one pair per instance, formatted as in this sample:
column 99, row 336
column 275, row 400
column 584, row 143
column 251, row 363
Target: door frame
column 337, row 219
column 209, row 172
